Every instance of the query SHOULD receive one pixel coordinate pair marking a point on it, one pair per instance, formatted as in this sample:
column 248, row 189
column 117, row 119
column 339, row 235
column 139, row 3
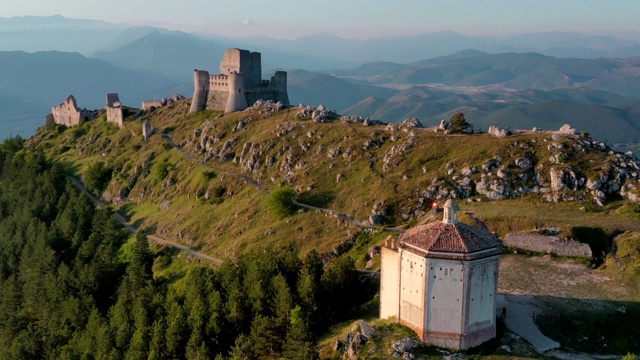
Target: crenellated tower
column 200, row 91
column 238, row 85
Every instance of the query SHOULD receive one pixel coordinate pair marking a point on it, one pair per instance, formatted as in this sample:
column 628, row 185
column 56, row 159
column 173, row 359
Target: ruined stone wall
column 147, row 129
column 67, row 113
column 114, row 110
column 547, row 244
column 115, row 116
column 151, row 104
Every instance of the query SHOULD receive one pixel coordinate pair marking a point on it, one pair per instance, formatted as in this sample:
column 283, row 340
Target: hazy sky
column 350, row 18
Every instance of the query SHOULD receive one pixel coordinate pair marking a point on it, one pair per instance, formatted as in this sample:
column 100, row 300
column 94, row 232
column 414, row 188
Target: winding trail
column 257, row 185
column 133, row 230
column 249, row 180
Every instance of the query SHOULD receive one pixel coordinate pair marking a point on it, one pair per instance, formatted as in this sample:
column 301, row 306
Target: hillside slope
column 210, row 190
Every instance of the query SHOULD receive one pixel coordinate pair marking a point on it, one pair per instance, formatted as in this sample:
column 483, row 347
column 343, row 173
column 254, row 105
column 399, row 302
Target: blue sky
column 351, row 18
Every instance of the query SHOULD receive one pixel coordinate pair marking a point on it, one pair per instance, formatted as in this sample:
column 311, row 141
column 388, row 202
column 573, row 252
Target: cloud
column 247, row 22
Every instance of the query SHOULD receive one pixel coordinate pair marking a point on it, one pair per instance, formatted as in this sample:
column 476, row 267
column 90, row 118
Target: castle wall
column 217, row 100
column 219, row 83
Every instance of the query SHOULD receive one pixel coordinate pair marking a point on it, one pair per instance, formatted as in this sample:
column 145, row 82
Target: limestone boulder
column 567, row 129
column 411, row 123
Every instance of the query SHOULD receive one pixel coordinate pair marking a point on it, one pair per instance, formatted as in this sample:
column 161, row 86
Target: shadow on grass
column 169, row 129
column 591, row 326
column 317, row 198
column 127, row 211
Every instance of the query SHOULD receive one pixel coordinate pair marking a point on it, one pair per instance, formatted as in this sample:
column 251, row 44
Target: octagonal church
column 441, row 280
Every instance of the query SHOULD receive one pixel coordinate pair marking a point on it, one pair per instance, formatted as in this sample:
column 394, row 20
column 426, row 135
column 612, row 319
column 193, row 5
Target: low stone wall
column 547, row 244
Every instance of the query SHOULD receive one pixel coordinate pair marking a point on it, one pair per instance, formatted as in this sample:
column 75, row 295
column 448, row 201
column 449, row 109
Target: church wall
column 389, row 282
column 482, row 296
column 412, row 288
column 481, row 325
column 445, row 302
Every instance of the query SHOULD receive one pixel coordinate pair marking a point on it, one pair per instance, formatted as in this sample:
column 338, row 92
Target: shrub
column 458, row 124
column 280, row 201
column 97, row 176
column 161, row 170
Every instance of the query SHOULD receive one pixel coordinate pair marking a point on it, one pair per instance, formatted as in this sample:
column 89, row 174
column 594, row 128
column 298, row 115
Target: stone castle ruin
column 150, row 105
column 114, row 110
column 238, row 84
column 68, row 113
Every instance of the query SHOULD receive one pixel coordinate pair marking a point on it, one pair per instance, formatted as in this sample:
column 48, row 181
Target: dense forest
column 73, row 285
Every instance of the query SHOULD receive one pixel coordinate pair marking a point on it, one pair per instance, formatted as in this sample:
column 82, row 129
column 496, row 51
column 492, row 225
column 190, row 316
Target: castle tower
column 200, row 90
column 279, row 85
column 221, row 92
column 237, row 100
column 441, row 280
column 255, row 78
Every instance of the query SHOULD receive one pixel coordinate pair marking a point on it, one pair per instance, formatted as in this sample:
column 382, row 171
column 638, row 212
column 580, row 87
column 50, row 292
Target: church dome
column 450, row 239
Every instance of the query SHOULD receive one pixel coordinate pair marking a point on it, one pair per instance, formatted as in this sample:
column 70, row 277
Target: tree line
column 68, row 292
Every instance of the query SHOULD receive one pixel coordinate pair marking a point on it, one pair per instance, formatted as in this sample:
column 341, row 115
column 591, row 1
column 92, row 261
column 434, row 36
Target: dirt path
column 249, row 180
column 133, row 230
column 257, row 185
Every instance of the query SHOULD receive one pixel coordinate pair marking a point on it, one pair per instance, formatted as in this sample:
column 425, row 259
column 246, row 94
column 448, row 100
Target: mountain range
column 427, row 76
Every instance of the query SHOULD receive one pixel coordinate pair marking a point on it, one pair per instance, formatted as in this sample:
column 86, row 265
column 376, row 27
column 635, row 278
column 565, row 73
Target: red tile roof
column 449, row 238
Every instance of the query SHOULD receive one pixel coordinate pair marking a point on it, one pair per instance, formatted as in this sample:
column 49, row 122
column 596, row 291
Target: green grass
column 600, row 330
column 235, row 218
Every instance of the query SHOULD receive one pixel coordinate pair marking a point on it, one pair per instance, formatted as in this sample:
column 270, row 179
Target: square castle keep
column 238, row 85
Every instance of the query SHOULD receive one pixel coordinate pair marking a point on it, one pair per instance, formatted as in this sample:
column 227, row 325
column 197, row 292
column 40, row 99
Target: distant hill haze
column 427, row 76
column 34, row 82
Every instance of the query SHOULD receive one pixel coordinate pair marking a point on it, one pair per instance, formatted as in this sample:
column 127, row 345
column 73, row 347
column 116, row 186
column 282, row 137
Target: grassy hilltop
column 194, row 196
